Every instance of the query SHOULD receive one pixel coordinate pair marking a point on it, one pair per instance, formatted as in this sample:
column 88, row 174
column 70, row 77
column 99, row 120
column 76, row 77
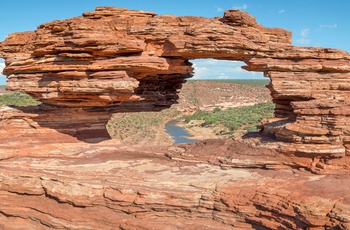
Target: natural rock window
column 117, row 60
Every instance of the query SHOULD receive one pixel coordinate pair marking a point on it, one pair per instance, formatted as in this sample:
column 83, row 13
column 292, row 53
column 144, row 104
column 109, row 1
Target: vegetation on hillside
column 141, row 127
column 232, row 119
column 17, row 99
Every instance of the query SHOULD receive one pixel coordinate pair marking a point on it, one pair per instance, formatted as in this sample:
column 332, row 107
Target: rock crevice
column 182, row 187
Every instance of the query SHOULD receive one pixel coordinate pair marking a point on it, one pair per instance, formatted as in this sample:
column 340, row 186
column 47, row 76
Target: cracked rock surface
column 208, row 185
column 58, row 170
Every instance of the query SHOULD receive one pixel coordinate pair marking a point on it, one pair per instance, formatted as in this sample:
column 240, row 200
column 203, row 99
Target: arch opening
column 230, row 100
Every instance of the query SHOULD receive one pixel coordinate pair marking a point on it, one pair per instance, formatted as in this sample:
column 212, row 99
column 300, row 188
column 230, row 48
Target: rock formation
column 108, row 186
column 116, row 60
column 111, row 60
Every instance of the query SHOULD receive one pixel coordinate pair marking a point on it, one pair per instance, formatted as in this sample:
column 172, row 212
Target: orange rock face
column 108, row 186
column 116, row 60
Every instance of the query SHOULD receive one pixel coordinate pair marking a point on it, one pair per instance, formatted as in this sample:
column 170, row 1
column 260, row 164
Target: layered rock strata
column 112, row 60
column 108, row 186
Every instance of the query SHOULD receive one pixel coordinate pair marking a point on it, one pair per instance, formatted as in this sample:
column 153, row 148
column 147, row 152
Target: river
column 178, row 133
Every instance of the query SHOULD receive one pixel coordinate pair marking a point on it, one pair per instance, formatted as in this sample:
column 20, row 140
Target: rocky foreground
column 59, row 172
column 214, row 184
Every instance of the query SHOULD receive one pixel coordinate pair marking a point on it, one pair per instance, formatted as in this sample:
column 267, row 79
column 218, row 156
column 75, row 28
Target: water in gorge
column 178, row 133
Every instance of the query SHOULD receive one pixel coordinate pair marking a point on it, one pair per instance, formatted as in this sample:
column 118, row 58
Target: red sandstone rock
column 116, row 60
column 108, row 186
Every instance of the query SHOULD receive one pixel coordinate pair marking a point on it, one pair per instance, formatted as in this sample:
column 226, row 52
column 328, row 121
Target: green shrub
column 235, row 118
column 17, row 99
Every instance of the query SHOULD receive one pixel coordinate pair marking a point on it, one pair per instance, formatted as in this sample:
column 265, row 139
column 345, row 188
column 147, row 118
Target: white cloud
column 240, row 7
column 223, row 76
column 305, row 32
column 199, row 70
column 282, row 11
column 219, row 9
column 330, row 26
column 220, row 69
column 2, row 66
column 2, row 77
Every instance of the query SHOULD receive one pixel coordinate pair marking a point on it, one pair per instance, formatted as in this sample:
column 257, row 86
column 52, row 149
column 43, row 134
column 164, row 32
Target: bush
column 17, row 99
column 235, row 118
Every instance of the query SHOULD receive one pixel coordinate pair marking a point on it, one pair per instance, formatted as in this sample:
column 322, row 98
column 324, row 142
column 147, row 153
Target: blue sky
column 313, row 22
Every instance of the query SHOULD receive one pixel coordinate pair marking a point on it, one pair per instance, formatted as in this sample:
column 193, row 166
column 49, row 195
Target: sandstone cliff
column 115, row 60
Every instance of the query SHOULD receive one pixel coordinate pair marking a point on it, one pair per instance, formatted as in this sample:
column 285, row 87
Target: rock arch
column 118, row 60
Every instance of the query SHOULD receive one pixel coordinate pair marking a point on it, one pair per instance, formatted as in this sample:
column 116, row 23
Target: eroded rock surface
column 209, row 185
column 112, row 60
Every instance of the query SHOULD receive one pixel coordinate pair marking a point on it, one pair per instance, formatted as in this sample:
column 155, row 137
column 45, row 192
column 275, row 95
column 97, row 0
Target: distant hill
column 252, row 82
